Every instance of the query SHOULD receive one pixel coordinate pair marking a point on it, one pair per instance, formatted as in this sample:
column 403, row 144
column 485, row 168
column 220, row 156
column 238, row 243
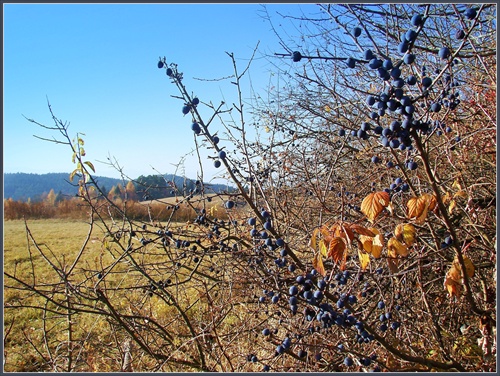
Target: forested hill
column 21, row 186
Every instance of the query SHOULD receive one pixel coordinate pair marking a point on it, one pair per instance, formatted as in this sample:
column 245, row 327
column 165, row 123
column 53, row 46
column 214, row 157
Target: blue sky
column 96, row 64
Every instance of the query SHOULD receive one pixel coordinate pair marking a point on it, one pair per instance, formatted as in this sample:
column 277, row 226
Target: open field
column 37, row 324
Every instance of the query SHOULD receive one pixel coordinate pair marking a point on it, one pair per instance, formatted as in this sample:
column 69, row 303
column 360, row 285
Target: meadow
column 37, row 326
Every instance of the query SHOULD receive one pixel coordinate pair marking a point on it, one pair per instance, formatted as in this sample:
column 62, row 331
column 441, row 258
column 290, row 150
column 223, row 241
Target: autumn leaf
column 393, row 265
column 323, row 249
column 90, row 165
column 418, row 207
column 454, row 288
column 364, row 259
column 454, row 273
column 325, row 232
column 469, row 266
column 461, row 193
column 395, row 247
column 431, row 199
column 405, row 232
column 374, row 203
column 312, row 241
column 452, row 206
column 318, row 264
column 343, row 231
column 336, row 249
column 372, row 244
column 362, row 230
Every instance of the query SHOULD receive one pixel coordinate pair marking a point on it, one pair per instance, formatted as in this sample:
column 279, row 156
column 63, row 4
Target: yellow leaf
column 461, row 193
column 456, row 185
column 364, row 259
column 377, row 245
column 336, row 249
column 327, row 108
column 446, row 198
column 469, row 267
column 394, row 246
column 372, row 244
column 72, row 175
column 90, row 165
column 318, row 264
column 452, row 206
column 374, row 203
column 390, row 208
column 312, row 242
column 323, row 249
column 405, row 232
column 267, row 129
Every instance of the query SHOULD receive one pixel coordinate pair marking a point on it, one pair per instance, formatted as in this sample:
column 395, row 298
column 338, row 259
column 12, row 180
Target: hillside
column 21, row 186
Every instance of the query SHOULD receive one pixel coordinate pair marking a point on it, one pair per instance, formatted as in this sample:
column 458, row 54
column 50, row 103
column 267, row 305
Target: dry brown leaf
column 392, row 263
column 374, row 203
column 336, row 249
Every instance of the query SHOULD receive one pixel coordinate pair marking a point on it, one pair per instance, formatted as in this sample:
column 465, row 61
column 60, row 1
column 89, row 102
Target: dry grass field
column 29, row 330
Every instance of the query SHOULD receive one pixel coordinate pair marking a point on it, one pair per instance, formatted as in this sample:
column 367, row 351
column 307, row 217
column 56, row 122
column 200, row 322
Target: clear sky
column 96, row 64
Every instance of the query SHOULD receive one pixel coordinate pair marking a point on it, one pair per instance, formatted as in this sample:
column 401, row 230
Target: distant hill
column 21, row 186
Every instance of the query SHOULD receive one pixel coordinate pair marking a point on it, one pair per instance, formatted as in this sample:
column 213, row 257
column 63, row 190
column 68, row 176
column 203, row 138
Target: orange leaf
column 345, row 232
column 362, row 230
column 454, row 288
column 395, row 247
column 373, row 204
column 336, row 249
column 419, row 206
column 318, row 264
column 405, row 232
column 454, row 273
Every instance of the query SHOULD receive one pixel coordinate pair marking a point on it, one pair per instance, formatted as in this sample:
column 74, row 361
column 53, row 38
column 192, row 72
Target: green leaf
column 90, row 165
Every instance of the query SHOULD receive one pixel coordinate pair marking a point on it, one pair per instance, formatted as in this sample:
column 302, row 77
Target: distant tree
column 130, row 189
column 51, row 198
